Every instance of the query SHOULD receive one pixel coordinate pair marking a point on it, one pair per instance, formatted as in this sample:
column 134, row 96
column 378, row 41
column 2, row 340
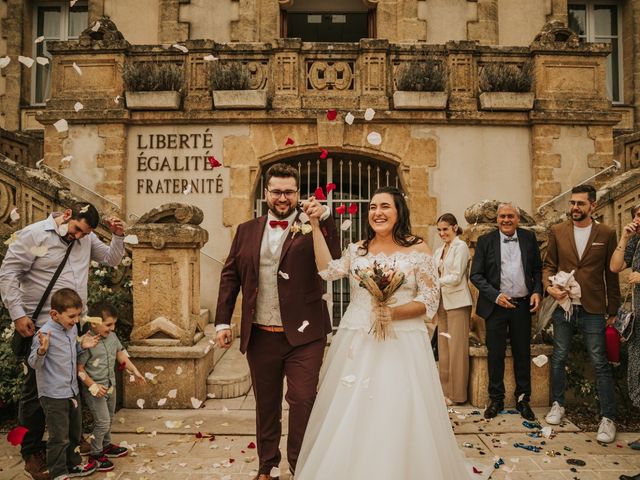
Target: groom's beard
column 279, row 214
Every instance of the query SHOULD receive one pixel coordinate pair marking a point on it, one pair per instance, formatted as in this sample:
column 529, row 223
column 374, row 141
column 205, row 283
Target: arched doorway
column 356, row 178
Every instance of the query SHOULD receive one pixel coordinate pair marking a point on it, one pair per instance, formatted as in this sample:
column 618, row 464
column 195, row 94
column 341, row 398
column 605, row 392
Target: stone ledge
column 230, row 377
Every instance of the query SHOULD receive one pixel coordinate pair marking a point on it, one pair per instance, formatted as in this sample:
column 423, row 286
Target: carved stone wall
column 11, row 28
column 485, row 28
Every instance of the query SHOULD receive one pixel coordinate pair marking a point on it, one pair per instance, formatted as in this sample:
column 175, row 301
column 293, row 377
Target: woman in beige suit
column 454, row 311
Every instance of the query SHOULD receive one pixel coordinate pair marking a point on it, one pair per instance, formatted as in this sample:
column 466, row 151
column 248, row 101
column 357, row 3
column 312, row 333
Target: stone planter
column 404, row 100
column 167, row 100
column 506, row 100
column 232, row 99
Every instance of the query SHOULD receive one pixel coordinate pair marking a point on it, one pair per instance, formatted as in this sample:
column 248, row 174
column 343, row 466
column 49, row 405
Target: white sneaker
column 554, row 417
column 606, row 431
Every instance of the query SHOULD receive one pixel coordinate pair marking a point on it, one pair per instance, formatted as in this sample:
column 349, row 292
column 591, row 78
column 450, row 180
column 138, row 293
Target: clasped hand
column 314, row 210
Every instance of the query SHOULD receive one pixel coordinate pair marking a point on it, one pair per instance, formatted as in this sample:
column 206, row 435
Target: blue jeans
column 103, row 410
column 592, row 327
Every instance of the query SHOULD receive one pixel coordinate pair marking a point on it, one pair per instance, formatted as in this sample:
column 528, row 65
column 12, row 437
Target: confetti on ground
column 61, row 125
column 369, row 113
column 77, row 68
column 26, row 61
column 173, row 423
column 131, row 239
column 374, row 138
column 349, row 118
column 304, row 325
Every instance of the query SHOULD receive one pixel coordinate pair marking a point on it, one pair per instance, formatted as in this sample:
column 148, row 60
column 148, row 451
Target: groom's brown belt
column 270, row 328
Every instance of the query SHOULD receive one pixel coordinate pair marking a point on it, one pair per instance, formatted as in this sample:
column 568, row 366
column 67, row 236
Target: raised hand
column 313, row 209
column 116, row 226
column 89, row 341
column 44, row 342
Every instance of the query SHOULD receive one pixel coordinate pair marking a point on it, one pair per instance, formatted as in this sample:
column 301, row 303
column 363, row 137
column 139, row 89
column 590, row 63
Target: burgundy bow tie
column 283, row 224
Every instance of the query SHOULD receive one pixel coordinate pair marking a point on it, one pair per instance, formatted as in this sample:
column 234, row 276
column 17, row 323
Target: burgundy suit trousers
column 271, row 358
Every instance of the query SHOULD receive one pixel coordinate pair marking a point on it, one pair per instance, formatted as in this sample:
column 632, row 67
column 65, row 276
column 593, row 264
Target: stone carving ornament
column 330, row 75
column 106, row 32
column 556, row 31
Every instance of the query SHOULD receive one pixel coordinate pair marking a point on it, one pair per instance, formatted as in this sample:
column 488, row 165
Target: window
column 600, row 21
column 53, row 21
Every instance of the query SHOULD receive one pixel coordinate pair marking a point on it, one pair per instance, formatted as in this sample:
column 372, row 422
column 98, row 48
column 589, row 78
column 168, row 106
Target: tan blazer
column 600, row 287
column 454, row 280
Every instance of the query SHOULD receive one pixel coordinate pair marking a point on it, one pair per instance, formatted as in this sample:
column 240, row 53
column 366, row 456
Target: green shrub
column 153, row 76
column 423, row 76
column 229, row 76
column 506, row 77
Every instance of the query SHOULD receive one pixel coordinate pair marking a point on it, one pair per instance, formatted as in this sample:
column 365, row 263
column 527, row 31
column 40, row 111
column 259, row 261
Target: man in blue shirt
column 54, row 358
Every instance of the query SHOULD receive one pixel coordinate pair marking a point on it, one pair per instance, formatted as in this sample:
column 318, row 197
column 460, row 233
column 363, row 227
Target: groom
column 284, row 321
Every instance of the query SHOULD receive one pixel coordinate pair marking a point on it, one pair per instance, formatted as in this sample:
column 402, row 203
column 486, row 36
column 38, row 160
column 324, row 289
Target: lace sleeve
column 428, row 285
column 338, row 268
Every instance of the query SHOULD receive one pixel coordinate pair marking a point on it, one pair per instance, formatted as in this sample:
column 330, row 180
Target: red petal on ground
column 199, row 435
column 289, row 141
column 212, row 437
column 231, row 460
column 341, row 210
column 16, row 435
column 251, row 445
column 332, row 113
column 330, row 186
column 319, row 194
column 353, row 208
column 475, row 470
column 213, row 162
column 324, row 153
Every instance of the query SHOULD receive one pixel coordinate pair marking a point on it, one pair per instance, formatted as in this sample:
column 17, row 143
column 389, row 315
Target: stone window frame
column 64, row 36
column 591, row 37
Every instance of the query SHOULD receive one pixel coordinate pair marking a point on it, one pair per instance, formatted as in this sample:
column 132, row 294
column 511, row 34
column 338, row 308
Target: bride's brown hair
column 402, row 229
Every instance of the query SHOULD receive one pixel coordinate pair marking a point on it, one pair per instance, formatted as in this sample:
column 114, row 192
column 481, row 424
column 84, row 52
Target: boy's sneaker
column 606, row 431
column 554, row 417
column 83, row 469
column 104, row 465
column 114, row 451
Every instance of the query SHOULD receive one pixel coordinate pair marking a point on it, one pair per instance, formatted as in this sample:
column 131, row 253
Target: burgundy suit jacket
column 599, row 285
column 300, row 295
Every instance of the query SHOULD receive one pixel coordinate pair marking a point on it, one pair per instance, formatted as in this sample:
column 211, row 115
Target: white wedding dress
column 380, row 412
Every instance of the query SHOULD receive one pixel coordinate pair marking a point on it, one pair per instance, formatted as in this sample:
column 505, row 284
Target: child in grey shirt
column 96, row 370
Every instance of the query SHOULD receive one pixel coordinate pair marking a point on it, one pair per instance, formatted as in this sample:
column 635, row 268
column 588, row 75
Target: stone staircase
column 230, row 376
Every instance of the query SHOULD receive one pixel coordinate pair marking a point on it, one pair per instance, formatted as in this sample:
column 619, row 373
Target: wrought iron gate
column 356, row 178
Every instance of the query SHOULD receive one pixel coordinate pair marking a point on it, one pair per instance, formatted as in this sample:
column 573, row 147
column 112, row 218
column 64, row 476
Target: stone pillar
column 168, row 339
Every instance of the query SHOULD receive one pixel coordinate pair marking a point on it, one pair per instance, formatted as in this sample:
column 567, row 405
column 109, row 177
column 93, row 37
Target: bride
column 380, row 411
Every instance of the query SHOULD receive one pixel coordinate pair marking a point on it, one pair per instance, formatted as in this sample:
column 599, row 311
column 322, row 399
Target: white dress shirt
column 512, row 281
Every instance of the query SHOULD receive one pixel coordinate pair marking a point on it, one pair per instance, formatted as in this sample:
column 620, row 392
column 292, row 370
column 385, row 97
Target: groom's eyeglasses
column 278, row 193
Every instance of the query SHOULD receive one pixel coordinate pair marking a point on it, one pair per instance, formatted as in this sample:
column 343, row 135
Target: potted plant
column 230, row 87
column 153, row 85
column 506, row 86
column 421, row 86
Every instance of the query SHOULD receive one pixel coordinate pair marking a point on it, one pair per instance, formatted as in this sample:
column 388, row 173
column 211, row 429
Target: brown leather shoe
column 36, row 466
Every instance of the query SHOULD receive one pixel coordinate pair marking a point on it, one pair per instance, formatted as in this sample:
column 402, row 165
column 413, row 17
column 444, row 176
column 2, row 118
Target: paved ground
column 165, row 444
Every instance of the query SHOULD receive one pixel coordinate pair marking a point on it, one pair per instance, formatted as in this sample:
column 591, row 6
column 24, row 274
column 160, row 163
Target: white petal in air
column 275, row 472
column 4, row 61
column 66, row 161
column 42, row 60
column 131, row 239
column 96, row 26
column 446, row 335
column 26, row 61
column 40, row 39
column 77, row 68
column 182, row 48
column 346, row 225
column 540, row 360
column 187, row 190
column 78, row 106
column 349, row 118
column 374, row 138
column 40, row 251
column 14, row 215
column 210, row 58
column 63, row 229
column 348, row 380
column 61, row 125
column 369, row 113
column 283, row 274
column 304, row 325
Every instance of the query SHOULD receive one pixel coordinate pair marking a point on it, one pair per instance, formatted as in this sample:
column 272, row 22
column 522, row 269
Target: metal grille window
column 53, row 21
column 601, row 21
column 356, row 179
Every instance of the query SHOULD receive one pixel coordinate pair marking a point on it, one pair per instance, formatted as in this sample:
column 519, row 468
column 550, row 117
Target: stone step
column 230, row 377
column 204, row 315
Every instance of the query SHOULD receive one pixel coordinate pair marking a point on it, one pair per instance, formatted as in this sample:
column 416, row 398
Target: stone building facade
column 585, row 110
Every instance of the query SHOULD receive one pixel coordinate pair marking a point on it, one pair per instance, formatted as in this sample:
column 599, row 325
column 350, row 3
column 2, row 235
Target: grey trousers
column 64, row 423
column 102, row 409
